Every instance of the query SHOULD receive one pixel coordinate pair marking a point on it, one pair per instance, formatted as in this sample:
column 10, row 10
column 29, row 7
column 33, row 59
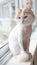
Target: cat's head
column 25, row 16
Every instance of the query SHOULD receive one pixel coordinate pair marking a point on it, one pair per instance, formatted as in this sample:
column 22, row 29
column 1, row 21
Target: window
column 13, row 9
column 4, row 11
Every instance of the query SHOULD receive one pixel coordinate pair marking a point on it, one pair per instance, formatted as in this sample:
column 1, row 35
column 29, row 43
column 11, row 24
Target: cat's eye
column 19, row 17
column 25, row 16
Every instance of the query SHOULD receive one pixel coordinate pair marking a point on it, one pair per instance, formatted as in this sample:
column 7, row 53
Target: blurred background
column 8, row 9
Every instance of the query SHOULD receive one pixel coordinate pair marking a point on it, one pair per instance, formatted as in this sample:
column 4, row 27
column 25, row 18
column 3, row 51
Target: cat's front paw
column 22, row 57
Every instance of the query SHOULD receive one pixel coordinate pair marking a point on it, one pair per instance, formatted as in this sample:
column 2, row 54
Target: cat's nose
column 22, row 20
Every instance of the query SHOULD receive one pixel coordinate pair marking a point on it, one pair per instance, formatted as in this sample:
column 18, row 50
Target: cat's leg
column 20, row 42
column 27, row 48
column 27, row 44
column 24, row 55
column 28, row 38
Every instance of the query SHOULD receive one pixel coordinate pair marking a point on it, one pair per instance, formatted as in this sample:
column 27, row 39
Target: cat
column 19, row 38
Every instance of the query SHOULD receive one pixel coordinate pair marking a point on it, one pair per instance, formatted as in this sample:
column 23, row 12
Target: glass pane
column 5, row 11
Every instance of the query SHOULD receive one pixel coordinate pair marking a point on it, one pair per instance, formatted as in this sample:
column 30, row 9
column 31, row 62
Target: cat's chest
column 21, row 30
column 21, row 27
column 24, row 30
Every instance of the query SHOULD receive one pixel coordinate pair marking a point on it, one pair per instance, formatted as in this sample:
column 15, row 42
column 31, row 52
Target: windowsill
column 3, row 45
column 5, row 57
column 12, row 62
column 4, row 49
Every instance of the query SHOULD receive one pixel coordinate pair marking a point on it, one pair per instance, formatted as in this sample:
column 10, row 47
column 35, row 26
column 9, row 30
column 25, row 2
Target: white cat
column 19, row 37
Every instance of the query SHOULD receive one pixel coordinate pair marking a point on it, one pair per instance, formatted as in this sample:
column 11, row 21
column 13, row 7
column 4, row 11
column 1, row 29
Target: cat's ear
column 18, row 14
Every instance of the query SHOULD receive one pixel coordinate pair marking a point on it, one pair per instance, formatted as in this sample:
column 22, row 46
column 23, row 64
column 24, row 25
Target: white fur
column 21, row 32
